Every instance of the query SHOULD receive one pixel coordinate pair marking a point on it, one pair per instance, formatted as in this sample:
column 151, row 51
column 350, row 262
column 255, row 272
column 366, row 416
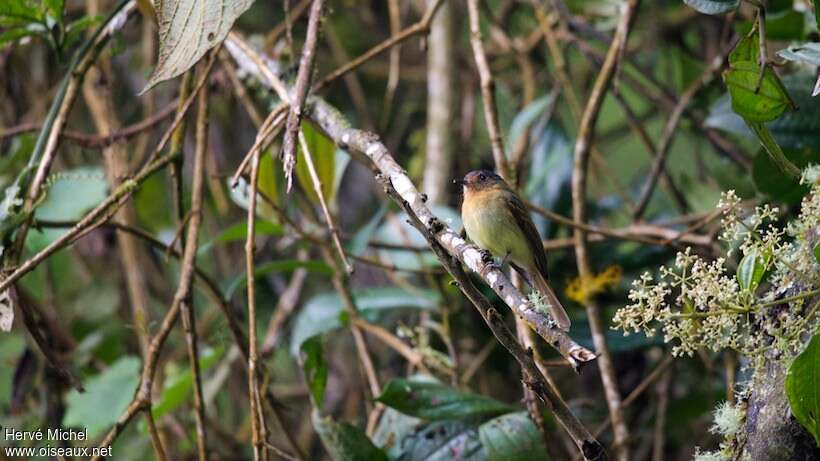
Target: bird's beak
column 459, row 182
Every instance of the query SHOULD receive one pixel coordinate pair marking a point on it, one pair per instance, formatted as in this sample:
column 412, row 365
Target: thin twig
column 317, row 188
column 487, row 91
column 257, row 418
column 293, row 124
column 190, row 245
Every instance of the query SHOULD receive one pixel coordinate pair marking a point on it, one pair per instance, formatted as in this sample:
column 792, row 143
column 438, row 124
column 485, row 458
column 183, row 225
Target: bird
column 497, row 220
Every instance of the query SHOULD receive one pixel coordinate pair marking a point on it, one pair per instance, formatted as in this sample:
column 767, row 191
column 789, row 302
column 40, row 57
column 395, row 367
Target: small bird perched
column 497, row 220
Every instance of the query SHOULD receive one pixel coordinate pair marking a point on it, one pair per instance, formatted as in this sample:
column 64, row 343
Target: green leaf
column 239, row 232
column 71, row 193
column 345, row 442
column 315, row 369
column 180, row 382
column 270, row 179
column 773, row 149
column 524, row 119
column 512, row 437
column 768, row 103
column 713, row 6
column 817, row 13
column 19, row 10
column 358, row 244
column 188, row 29
column 748, row 48
column 798, row 129
column 750, row 271
column 276, row 266
column 771, row 180
column 434, row 401
column 817, row 252
column 436, row 441
column 323, row 312
column 105, row 398
column 14, row 34
column 323, row 152
column 54, row 9
column 803, row 388
column 399, row 232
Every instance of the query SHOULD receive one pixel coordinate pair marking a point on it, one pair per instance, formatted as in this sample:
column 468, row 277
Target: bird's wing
column 522, row 218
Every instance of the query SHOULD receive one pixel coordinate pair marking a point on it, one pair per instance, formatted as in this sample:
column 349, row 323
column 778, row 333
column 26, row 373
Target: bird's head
column 479, row 180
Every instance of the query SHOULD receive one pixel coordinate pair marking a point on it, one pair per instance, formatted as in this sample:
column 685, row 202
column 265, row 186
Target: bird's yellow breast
column 490, row 224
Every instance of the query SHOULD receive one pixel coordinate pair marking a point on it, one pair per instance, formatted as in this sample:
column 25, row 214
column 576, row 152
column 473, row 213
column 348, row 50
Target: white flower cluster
column 700, row 304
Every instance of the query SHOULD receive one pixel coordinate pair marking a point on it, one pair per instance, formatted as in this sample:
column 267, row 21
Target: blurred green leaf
column 315, row 369
column 803, row 388
column 270, row 179
column 322, row 313
column 773, row 149
column 438, row 441
column 395, row 230
column 345, row 442
column 358, row 244
column 750, row 270
column 817, row 252
column 771, row 180
column 512, row 437
column 19, row 10
column 276, row 266
column 239, row 232
column 525, row 119
column 713, row 6
column 72, row 193
column 105, row 398
column 435, row 401
column 323, row 153
column 54, row 9
column 180, row 382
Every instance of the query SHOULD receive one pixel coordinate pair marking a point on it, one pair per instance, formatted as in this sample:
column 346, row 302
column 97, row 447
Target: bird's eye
column 482, row 177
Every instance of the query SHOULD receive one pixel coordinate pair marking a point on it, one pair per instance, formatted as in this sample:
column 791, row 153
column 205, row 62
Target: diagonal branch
column 337, row 128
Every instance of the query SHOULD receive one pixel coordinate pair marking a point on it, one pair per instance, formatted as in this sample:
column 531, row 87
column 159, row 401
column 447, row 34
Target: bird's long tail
column 559, row 315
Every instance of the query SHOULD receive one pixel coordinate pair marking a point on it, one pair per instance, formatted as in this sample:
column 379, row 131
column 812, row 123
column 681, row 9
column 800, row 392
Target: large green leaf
column 180, row 381
column 431, row 400
column 397, row 231
column 188, row 29
column 763, row 105
column 323, row 312
column 797, row 129
column 323, row 153
column 512, row 437
column 106, row 396
column 803, row 388
column 19, row 12
column 345, row 442
column 713, row 6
